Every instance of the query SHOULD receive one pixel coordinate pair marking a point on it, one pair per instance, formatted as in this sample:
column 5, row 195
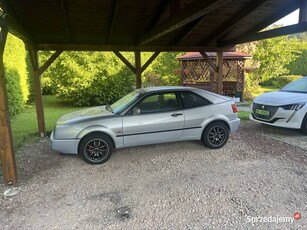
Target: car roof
column 164, row 88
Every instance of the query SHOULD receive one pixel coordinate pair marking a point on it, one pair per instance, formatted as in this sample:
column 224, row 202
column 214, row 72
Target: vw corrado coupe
column 146, row 116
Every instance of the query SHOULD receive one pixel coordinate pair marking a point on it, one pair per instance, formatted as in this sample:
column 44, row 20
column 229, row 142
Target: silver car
column 146, row 116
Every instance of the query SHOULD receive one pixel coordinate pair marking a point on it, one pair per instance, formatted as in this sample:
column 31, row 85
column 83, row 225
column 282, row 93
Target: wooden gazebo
column 196, row 71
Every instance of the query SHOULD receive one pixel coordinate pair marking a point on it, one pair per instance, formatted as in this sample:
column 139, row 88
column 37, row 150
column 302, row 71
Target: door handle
column 176, row 114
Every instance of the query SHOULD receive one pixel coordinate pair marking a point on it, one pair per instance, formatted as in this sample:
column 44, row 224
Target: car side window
column 161, row 102
column 192, row 100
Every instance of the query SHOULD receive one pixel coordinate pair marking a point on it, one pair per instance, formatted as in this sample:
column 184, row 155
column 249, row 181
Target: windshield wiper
column 109, row 108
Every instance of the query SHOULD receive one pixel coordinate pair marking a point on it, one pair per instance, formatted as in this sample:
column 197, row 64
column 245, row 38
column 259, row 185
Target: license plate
column 263, row 112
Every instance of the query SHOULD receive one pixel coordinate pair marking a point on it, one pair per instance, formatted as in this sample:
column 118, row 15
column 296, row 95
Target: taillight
column 234, row 108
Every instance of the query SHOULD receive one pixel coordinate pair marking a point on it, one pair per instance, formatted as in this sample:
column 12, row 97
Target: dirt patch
column 170, row 186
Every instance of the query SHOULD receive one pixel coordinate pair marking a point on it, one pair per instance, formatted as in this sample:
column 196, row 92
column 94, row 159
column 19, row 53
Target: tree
column 272, row 55
column 88, row 78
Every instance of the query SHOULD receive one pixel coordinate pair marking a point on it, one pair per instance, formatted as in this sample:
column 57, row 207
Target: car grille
column 271, row 109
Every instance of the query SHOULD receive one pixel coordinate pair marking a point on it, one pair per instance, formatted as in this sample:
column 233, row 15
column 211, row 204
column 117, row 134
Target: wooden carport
column 131, row 25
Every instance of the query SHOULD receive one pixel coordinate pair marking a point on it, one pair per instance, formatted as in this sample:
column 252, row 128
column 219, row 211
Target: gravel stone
column 180, row 185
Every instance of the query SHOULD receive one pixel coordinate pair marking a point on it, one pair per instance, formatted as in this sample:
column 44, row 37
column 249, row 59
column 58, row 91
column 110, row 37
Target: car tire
column 304, row 125
column 96, row 148
column 215, row 135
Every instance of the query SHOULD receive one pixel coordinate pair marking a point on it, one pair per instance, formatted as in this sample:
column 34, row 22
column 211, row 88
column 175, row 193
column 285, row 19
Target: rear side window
column 192, row 100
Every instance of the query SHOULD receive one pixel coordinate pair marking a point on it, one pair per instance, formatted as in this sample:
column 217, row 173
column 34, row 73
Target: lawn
column 24, row 125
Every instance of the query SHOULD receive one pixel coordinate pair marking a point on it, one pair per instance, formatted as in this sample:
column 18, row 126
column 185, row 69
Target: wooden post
column 6, row 140
column 36, row 75
column 33, row 53
column 138, row 69
column 220, row 72
column 242, row 92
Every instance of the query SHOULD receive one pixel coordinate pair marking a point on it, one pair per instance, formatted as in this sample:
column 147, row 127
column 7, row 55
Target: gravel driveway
column 169, row 186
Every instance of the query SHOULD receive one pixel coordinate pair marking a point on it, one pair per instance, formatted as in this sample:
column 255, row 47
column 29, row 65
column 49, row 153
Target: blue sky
column 289, row 19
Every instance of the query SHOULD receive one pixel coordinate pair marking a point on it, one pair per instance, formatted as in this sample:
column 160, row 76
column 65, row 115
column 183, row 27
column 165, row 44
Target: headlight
column 293, row 106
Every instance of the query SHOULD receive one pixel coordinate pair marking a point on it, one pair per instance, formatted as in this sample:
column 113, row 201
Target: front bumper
column 282, row 118
column 69, row 146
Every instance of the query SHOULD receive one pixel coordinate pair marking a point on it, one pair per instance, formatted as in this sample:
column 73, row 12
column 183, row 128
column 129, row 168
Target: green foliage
column 251, row 87
column 272, row 56
column 298, row 66
column 88, row 78
column 16, row 74
column 14, row 92
column 281, row 81
column 163, row 70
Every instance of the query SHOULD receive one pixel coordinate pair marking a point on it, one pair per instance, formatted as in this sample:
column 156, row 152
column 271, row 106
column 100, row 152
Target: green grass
column 24, row 125
column 243, row 115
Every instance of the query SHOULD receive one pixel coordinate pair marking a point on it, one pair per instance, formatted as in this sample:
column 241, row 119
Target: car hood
column 280, row 98
column 84, row 115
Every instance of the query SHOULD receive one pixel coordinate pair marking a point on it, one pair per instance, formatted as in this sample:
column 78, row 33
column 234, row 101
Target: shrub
column 14, row 92
column 47, row 86
column 88, row 78
column 16, row 74
column 281, row 81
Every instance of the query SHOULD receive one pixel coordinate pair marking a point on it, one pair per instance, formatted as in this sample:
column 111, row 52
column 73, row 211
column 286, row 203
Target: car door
column 156, row 118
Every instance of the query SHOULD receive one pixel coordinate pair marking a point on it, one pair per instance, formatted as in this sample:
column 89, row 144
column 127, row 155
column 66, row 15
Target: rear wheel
column 304, row 125
column 215, row 135
column 96, row 148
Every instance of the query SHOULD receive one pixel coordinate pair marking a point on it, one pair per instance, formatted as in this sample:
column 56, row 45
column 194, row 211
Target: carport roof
column 138, row 25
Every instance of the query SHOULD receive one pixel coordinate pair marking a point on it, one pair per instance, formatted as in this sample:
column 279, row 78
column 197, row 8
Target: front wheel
column 95, row 148
column 215, row 135
column 304, row 125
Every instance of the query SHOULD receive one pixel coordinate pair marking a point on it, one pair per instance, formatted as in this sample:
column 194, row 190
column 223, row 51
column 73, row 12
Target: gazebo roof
column 226, row 55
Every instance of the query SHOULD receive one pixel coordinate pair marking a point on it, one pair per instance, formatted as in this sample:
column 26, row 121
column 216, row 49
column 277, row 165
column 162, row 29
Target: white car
column 285, row 108
column 146, row 116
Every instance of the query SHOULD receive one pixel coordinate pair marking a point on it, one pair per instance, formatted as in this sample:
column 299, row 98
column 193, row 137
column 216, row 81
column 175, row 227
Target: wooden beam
column 286, row 30
column 112, row 19
column 158, row 14
column 14, row 26
column 7, row 156
column 232, row 21
column 66, row 23
column 91, row 47
column 303, row 11
column 209, row 61
column 220, row 73
column 138, row 69
column 194, row 10
column 36, row 76
column 33, row 54
column 289, row 8
column 149, row 61
column 52, row 58
column 186, row 32
column 125, row 61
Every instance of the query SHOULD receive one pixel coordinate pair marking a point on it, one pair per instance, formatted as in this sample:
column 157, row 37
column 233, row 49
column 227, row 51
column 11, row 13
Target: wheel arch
column 215, row 121
column 88, row 132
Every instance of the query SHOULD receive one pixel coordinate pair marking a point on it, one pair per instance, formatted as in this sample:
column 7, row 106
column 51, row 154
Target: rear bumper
column 234, row 125
column 69, row 146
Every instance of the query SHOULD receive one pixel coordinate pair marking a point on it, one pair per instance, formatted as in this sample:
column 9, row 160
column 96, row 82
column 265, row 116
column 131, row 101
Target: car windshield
column 298, row 86
column 124, row 102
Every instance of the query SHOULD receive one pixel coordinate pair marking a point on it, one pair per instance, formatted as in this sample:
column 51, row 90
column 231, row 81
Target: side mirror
column 136, row 111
